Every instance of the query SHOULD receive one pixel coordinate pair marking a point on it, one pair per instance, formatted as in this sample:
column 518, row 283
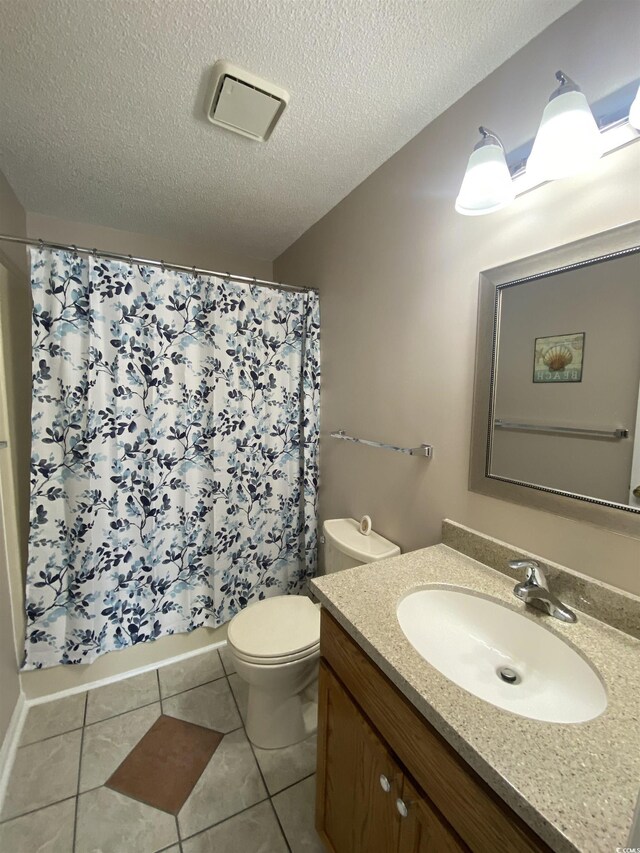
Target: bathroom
column 384, row 317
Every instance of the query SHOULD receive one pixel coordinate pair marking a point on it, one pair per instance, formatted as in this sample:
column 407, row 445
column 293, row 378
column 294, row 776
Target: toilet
column 275, row 644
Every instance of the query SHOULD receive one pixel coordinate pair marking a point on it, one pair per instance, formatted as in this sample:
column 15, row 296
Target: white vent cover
column 244, row 103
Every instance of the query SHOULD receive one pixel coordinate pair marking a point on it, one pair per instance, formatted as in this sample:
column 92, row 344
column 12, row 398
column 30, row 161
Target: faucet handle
column 535, row 574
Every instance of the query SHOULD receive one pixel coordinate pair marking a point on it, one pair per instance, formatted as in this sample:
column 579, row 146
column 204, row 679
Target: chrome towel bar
column 567, row 430
column 425, row 450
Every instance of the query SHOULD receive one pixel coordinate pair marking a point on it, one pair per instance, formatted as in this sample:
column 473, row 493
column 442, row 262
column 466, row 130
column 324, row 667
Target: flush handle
column 385, row 784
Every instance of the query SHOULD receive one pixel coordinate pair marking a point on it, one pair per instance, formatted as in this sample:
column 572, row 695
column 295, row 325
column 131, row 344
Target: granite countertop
column 575, row 785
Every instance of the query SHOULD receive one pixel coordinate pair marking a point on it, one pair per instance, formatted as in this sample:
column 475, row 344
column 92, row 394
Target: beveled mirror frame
column 595, row 249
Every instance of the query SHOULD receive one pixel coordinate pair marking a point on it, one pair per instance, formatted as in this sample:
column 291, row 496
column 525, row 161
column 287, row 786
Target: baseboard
column 10, row 744
column 121, row 676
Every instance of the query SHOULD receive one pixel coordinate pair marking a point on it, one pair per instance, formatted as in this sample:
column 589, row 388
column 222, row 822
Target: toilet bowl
column 275, row 644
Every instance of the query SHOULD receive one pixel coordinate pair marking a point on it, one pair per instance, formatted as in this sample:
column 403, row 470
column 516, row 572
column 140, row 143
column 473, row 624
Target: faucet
column 535, row 591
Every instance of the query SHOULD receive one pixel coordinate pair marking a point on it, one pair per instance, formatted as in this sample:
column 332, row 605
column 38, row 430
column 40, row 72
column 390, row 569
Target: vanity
column 409, row 761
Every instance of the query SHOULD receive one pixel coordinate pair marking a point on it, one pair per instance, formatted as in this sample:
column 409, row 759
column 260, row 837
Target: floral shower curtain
column 174, row 452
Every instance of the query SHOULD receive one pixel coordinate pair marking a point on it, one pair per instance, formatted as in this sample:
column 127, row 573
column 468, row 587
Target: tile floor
column 247, row 800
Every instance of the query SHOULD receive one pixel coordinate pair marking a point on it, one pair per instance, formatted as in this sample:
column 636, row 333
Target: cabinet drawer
column 483, row 821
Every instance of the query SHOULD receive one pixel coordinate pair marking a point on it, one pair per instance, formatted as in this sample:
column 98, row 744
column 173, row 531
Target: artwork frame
column 558, row 359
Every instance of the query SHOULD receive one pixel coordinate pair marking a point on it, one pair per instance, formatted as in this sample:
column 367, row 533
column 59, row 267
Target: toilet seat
column 277, row 661
column 278, row 630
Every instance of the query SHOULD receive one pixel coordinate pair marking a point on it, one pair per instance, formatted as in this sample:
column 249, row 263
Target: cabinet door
column 422, row 830
column 354, row 812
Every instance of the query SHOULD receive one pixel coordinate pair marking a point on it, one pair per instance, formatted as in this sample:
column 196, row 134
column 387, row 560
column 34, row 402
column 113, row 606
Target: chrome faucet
column 535, row 591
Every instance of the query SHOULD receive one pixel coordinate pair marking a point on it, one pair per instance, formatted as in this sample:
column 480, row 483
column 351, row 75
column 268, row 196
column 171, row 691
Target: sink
column 501, row 656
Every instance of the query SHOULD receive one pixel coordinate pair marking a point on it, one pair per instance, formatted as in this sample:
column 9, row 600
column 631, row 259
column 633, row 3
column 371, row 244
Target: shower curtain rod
column 8, row 238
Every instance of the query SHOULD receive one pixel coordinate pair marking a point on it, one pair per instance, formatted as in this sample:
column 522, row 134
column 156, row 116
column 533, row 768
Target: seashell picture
column 558, row 358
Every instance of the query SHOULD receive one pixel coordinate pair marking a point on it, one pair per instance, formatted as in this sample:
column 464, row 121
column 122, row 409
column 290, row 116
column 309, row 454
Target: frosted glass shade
column 568, row 140
column 634, row 112
column 487, row 184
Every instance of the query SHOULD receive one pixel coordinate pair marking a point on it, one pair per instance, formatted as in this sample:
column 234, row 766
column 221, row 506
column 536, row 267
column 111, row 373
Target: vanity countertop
column 575, row 785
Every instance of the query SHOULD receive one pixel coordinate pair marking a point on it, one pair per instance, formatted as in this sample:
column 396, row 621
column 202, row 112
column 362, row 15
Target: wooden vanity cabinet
column 387, row 782
column 361, row 787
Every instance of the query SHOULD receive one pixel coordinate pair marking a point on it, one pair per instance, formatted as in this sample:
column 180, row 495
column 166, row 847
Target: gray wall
column 210, row 256
column 9, row 678
column 398, row 268
column 16, row 332
column 14, row 349
column 603, row 301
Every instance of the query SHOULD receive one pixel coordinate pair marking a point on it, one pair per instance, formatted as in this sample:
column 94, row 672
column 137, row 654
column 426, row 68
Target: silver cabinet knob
column 403, row 811
column 385, row 784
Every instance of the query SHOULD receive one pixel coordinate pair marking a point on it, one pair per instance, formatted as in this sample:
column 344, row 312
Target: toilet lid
column 276, row 627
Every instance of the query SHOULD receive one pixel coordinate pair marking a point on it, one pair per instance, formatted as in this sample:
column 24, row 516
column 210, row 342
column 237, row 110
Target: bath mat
column 164, row 766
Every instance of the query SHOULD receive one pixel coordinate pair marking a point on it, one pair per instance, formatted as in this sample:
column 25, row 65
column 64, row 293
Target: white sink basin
column 478, row 643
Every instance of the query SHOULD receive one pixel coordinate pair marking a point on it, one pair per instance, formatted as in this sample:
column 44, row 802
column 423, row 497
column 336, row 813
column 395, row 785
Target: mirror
column 557, row 396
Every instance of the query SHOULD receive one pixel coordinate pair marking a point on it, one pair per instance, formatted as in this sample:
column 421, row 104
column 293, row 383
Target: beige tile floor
column 247, row 800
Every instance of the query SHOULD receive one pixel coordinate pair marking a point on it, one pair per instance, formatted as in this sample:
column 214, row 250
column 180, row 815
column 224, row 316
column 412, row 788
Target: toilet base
column 282, row 706
column 274, row 721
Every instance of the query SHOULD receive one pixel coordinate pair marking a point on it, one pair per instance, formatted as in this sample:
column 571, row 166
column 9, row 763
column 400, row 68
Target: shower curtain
column 174, row 452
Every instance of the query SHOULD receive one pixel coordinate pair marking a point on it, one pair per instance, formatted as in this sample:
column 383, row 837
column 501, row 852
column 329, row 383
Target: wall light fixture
column 568, row 140
column 487, row 184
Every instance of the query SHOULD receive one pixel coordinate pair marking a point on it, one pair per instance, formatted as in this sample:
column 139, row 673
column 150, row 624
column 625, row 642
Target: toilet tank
column 345, row 546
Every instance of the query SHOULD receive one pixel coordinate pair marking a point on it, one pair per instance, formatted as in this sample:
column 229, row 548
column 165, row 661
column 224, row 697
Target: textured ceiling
column 102, row 103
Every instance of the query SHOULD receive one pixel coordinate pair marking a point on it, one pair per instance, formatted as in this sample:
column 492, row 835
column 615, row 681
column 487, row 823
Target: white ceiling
column 102, row 104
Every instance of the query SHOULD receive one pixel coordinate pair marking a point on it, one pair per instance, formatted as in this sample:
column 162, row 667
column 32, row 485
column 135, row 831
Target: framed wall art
column 559, row 358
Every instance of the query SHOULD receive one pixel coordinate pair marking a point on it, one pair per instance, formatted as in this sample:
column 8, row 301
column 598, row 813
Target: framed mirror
column 556, row 422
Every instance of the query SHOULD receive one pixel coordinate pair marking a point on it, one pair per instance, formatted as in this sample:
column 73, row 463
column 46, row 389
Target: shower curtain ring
column 193, row 270
column 75, row 250
column 162, row 267
column 40, row 244
column 94, row 252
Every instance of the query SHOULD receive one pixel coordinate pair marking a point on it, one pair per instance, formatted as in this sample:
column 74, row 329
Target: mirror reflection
column 565, row 396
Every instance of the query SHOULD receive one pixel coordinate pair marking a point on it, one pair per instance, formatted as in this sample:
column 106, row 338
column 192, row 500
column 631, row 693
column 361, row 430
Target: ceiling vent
column 241, row 102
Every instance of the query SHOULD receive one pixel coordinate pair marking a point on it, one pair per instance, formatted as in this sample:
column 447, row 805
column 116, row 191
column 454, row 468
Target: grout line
column 235, row 702
column 169, row 846
column 95, row 788
column 39, row 809
column 195, row 687
column 224, row 668
column 75, row 817
column 264, row 782
column 51, row 737
column 293, row 784
column 284, row 835
column 178, row 830
column 159, row 690
column 225, row 819
column 122, row 713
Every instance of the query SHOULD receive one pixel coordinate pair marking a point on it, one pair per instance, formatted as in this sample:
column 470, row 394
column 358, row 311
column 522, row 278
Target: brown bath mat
column 163, row 768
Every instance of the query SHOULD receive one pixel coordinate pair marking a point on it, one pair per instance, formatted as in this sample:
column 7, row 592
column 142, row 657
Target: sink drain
column 508, row 675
